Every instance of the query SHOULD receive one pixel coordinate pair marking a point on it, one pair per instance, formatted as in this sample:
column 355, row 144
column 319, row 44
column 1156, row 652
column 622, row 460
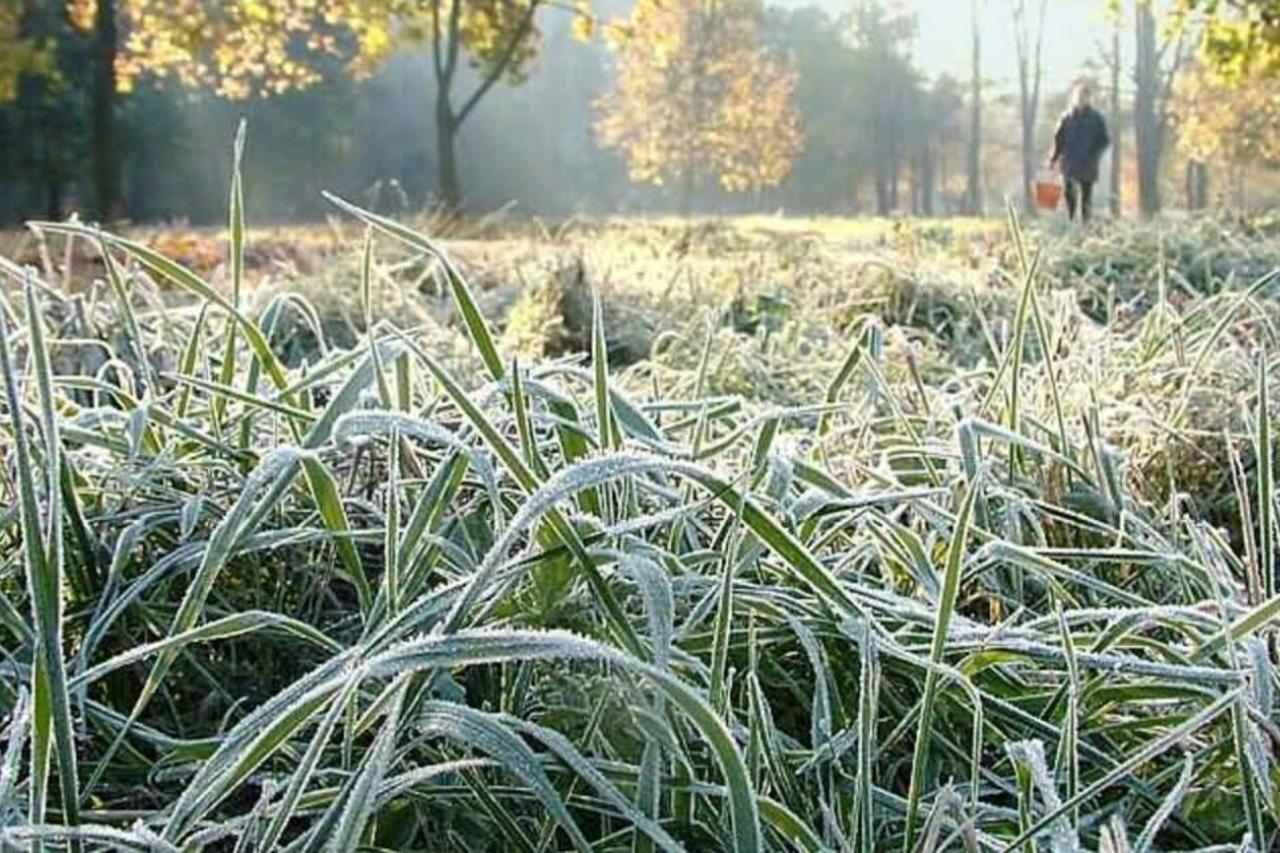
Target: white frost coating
column 1259, row 756
column 270, row 470
column 1196, row 614
column 750, row 425
column 19, row 722
column 659, row 602
column 820, row 722
column 563, row 485
column 183, row 558
column 400, row 783
column 474, row 647
column 663, row 518
column 1106, row 662
column 1167, row 808
column 113, row 838
column 272, row 465
column 355, row 814
column 1261, row 675
column 368, row 423
column 226, row 627
column 565, row 750
column 359, row 426
column 206, row 789
column 471, row 647
column 1030, row 754
column 487, row 396
column 491, row 736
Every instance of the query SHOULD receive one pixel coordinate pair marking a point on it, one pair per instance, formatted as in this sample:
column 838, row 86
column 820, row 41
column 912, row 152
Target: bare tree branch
column 454, row 38
column 504, row 60
column 435, row 42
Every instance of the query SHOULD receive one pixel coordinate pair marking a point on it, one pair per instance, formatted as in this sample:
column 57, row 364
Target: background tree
column 698, row 95
column 1157, row 59
column 890, row 98
column 870, row 120
column 973, row 197
column 1028, row 44
column 235, row 47
column 1239, row 37
column 497, row 38
column 43, row 68
column 238, row 49
column 1234, row 123
column 1114, row 62
column 353, row 100
column 939, row 121
column 834, row 159
column 106, row 156
column 21, row 50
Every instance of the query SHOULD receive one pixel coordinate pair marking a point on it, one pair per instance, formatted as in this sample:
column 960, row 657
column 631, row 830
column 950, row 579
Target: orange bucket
column 1048, row 193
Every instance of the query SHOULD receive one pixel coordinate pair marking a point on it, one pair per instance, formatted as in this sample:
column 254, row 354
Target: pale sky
column 1074, row 30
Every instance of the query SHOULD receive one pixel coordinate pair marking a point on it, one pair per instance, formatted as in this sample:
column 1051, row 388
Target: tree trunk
column 1030, row 69
column 895, row 181
column 1029, row 167
column 881, row 177
column 1149, row 156
column 1117, row 138
column 688, row 182
column 53, row 197
column 973, row 197
column 917, row 186
column 1197, row 185
column 882, row 188
column 928, row 179
column 106, row 161
column 1148, row 125
column 448, row 186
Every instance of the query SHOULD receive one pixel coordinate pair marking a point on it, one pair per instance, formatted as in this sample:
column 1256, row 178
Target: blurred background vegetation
column 123, row 109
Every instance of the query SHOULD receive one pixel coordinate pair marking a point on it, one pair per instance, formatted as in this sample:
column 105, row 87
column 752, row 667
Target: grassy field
column 759, row 534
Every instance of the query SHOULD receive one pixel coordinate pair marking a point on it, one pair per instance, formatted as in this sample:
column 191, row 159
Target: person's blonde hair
column 1082, row 94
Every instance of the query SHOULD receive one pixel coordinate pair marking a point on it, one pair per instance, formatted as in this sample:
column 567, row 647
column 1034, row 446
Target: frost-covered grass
column 945, row 567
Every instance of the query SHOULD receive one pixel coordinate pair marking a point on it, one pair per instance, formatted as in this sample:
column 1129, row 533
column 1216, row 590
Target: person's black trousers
column 1079, row 197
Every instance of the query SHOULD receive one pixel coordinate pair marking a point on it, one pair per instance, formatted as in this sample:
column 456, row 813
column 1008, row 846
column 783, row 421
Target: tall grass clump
column 381, row 599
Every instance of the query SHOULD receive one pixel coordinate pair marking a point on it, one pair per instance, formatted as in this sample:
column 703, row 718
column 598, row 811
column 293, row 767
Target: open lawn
column 746, row 534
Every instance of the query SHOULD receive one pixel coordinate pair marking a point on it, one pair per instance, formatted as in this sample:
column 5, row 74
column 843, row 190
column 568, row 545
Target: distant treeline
column 874, row 134
column 376, row 137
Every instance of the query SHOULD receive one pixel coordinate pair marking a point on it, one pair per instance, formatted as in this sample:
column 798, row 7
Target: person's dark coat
column 1078, row 144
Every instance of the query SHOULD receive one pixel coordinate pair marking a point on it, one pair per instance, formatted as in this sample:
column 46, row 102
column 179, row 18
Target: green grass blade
column 524, row 477
column 52, row 724
column 1266, row 488
column 346, row 830
column 187, row 280
column 1167, row 741
column 391, row 527
column 477, row 326
column 605, row 418
column 956, row 553
column 235, row 212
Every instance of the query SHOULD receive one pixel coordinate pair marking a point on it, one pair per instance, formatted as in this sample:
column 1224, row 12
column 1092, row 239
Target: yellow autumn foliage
column 1236, row 122
column 242, row 48
column 698, row 94
column 235, row 48
column 18, row 55
column 1240, row 39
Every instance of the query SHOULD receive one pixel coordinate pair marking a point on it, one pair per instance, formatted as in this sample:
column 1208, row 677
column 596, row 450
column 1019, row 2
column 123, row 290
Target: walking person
column 1078, row 144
